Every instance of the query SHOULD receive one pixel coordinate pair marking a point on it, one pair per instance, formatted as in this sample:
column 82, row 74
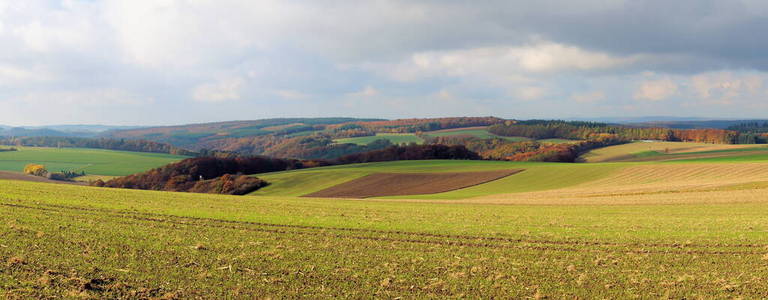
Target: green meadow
column 395, row 138
column 85, row 242
column 615, row 230
column 536, row 176
column 92, row 161
column 479, row 133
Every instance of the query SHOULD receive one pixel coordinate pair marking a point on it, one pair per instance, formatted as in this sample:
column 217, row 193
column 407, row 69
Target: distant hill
column 23, row 131
column 59, row 130
column 718, row 124
column 307, row 138
column 192, row 134
column 82, row 128
column 671, row 122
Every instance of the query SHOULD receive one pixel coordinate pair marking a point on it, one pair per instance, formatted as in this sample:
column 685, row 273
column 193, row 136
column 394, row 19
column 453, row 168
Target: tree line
column 502, row 149
column 99, row 143
column 751, row 132
column 229, row 175
column 420, row 125
column 586, row 131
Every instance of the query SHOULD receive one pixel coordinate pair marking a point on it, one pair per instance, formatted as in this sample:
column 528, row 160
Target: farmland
column 394, row 138
column 225, row 246
column 537, row 176
column 689, row 228
column 660, row 151
column 479, row 132
column 92, row 161
column 405, row 138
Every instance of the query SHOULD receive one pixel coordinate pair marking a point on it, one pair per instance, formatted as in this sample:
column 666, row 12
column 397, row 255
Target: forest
column 99, row 143
column 587, row 130
column 501, row 149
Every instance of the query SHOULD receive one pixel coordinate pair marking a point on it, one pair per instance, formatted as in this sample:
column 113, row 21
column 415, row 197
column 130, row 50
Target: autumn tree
column 36, row 170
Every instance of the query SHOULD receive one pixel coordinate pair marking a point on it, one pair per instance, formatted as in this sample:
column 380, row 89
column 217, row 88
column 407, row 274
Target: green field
column 405, row 138
column 658, row 151
column 479, row 133
column 92, row 161
column 693, row 228
column 395, row 138
column 537, row 176
column 84, row 242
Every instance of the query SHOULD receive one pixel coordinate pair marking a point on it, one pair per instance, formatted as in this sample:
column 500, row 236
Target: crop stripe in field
column 154, row 218
column 427, row 242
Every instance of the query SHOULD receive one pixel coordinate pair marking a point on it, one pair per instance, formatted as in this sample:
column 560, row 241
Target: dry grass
column 658, row 184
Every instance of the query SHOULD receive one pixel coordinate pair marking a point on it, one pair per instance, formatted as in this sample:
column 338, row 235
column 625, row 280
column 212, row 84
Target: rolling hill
column 632, row 230
column 194, row 134
column 667, row 151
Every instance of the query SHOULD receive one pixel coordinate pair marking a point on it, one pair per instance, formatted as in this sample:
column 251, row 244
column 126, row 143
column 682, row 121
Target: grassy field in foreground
column 82, row 242
column 395, row 138
column 92, row 161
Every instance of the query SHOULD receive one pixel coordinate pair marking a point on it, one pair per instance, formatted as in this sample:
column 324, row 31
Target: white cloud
column 291, row 94
column 588, row 97
column 503, row 62
column 68, row 55
column 656, row 90
column 368, row 91
column 74, row 26
column 725, row 87
column 553, row 57
column 184, row 34
column 100, row 97
column 222, row 90
column 444, row 95
column 11, row 75
column 530, row 92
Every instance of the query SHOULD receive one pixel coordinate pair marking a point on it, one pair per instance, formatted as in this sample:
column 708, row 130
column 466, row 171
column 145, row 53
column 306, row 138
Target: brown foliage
column 184, row 176
column 229, row 185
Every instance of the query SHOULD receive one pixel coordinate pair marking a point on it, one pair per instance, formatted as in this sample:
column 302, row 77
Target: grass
column 92, row 161
column 644, row 151
column 395, row 138
column 81, row 242
column 732, row 157
column 537, row 176
column 680, row 229
column 479, row 133
column 92, row 178
column 537, row 180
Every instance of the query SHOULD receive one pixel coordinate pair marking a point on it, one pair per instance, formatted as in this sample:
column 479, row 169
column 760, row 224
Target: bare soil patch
column 5, row 175
column 400, row 184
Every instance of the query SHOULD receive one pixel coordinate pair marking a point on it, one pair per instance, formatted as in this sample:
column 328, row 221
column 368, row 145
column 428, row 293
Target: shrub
column 229, row 184
column 36, row 170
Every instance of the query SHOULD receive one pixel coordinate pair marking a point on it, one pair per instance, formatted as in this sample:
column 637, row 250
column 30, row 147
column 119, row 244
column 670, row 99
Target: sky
column 162, row 62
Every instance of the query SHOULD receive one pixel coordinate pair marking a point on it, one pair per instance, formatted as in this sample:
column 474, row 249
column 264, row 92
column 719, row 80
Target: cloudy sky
column 184, row 61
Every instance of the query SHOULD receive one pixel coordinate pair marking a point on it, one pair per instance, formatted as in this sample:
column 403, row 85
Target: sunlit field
column 618, row 230
column 91, row 161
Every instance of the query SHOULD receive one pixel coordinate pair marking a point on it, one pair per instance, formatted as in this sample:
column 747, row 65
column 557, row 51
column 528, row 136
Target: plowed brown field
column 398, row 184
